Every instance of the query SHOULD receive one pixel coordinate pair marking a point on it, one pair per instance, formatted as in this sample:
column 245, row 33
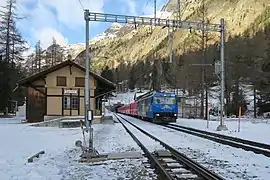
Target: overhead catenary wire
column 165, row 7
column 81, row 4
column 145, row 6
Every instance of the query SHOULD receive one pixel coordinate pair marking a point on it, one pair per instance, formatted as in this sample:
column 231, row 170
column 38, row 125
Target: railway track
column 256, row 147
column 169, row 163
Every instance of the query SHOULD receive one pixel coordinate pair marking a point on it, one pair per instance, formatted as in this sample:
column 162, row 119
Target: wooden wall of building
column 35, row 104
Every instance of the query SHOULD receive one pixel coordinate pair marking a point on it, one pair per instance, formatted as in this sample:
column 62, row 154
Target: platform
column 70, row 123
column 113, row 156
column 107, row 120
column 66, row 121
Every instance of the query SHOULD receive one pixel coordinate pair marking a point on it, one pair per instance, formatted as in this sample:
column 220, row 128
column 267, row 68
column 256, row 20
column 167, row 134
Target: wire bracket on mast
column 102, row 17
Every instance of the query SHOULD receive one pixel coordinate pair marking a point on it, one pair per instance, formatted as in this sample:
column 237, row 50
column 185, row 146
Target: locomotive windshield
column 164, row 100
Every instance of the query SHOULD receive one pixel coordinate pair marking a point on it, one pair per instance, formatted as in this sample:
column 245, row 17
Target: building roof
column 37, row 76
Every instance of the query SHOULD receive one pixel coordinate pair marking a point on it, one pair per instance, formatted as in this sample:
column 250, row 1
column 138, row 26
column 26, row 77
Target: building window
column 66, row 102
column 75, row 103
column 79, row 81
column 71, row 102
column 61, row 81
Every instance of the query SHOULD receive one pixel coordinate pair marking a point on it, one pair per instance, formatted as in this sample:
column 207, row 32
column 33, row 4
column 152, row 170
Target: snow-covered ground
column 21, row 141
column 251, row 130
column 230, row 162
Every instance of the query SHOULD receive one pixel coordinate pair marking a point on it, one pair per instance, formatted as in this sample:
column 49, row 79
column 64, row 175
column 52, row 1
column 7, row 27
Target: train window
column 164, row 100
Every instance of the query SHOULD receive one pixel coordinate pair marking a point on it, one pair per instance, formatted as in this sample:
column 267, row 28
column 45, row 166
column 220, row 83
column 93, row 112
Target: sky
column 64, row 19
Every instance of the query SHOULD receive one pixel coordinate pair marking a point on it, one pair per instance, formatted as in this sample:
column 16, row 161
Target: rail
column 256, row 147
column 200, row 170
column 162, row 171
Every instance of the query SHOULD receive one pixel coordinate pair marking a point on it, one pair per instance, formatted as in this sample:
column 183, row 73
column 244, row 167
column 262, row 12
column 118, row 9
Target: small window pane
column 66, row 102
column 71, row 103
column 61, row 81
column 75, row 103
column 79, row 81
column 164, row 100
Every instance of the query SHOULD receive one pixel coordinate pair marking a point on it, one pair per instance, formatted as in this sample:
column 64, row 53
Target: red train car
column 129, row 109
column 124, row 109
column 134, row 109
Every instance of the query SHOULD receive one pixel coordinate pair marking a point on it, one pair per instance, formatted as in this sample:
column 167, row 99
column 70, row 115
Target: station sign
column 71, row 91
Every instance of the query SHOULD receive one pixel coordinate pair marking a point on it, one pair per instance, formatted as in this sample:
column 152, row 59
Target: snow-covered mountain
column 111, row 32
column 73, row 50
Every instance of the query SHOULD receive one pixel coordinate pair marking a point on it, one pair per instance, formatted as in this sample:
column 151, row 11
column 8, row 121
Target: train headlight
column 157, row 114
column 175, row 114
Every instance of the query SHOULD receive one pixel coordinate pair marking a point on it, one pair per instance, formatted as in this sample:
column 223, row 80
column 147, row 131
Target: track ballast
column 170, row 163
column 256, row 147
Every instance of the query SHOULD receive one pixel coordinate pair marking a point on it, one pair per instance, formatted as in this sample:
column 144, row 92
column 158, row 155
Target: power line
column 145, row 6
column 165, row 7
column 81, row 5
column 155, row 10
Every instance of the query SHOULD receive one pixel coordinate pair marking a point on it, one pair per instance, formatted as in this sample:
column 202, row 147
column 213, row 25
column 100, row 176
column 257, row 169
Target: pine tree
column 107, row 73
column 140, row 70
column 154, row 75
column 265, row 83
column 11, row 40
column 12, row 46
column 38, row 57
column 54, row 54
column 238, row 100
column 202, row 39
column 30, row 64
column 131, row 79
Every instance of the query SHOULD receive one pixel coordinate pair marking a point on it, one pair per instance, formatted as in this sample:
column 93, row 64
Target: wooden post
column 6, row 111
column 208, row 116
column 239, row 116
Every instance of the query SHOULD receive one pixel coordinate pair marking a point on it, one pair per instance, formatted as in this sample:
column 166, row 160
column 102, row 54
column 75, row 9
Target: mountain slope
column 121, row 43
column 138, row 44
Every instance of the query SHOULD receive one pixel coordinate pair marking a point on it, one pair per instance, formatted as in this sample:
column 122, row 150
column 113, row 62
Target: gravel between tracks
column 231, row 163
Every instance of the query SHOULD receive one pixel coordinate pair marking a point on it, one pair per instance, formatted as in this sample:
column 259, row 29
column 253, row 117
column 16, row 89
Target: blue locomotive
column 158, row 107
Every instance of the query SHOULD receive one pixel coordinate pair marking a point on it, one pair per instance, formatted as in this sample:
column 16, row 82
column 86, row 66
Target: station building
column 59, row 91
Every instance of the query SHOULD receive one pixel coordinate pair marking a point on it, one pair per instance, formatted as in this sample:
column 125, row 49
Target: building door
column 36, row 105
column 71, row 105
